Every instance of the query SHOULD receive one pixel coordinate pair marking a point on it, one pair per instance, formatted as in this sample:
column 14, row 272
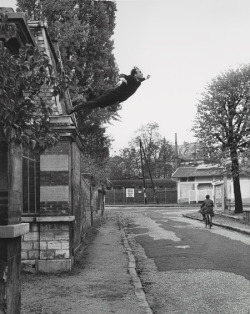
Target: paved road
column 186, row 268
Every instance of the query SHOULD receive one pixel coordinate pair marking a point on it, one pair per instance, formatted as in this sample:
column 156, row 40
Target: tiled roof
column 208, row 172
column 185, row 172
column 125, row 182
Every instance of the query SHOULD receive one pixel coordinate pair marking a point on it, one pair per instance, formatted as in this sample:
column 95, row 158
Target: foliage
column 23, row 112
column 221, row 122
column 83, row 30
column 159, row 155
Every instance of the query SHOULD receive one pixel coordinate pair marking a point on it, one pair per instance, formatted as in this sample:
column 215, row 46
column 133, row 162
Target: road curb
column 139, row 292
column 220, row 225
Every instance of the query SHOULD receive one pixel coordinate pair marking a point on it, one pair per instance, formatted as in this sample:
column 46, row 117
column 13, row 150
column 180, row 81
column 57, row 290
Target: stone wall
column 46, row 248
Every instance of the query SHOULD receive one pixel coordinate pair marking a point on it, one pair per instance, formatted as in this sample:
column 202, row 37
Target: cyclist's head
column 207, row 196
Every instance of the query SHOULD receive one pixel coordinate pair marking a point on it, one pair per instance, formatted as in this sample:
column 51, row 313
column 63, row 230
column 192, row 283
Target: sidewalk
column 226, row 220
column 104, row 280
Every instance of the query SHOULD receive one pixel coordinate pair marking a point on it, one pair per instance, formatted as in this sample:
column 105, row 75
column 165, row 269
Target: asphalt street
column 186, row 268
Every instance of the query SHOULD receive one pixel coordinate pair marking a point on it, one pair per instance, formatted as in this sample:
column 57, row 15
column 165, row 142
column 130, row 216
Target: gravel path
column 99, row 284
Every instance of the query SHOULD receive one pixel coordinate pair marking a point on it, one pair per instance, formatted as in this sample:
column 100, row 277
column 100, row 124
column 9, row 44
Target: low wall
column 47, row 247
column 52, row 242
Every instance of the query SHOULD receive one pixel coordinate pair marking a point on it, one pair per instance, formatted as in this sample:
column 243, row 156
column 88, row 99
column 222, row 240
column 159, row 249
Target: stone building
column 46, row 203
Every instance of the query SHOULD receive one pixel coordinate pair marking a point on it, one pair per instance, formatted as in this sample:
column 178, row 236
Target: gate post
column 11, row 228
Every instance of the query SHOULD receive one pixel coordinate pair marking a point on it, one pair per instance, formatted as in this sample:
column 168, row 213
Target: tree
column 83, row 31
column 24, row 115
column 158, row 151
column 222, row 123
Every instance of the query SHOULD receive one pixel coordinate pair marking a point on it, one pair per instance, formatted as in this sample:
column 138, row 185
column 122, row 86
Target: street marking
column 182, row 246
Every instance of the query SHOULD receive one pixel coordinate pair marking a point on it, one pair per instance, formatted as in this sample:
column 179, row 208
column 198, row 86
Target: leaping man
column 126, row 87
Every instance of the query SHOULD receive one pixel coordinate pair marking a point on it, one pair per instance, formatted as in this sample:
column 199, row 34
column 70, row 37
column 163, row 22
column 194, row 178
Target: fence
column 164, row 196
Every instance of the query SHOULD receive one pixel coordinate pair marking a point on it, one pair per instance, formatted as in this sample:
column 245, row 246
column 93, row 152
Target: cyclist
column 207, row 207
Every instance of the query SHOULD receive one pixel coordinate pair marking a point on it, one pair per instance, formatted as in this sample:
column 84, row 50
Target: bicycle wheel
column 209, row 220
column 206, row 220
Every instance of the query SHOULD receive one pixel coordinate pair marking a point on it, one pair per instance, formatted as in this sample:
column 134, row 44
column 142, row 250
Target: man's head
column 137, row 73
column 207, row 197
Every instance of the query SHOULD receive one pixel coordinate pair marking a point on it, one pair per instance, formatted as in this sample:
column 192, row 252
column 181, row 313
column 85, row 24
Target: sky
column 183, row 45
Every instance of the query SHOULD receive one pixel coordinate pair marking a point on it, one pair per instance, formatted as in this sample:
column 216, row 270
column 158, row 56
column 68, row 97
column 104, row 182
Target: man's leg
column 84, row 105
column 89, row 105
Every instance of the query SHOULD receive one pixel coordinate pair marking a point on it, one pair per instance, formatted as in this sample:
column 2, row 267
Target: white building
column 193, row 183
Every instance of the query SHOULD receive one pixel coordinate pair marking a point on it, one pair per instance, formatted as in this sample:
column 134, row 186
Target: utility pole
column 176, row 152
column 195, row 154
column 152, row 182
column 143, row 176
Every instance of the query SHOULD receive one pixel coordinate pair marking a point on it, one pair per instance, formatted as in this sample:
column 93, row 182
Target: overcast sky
column 183, row 44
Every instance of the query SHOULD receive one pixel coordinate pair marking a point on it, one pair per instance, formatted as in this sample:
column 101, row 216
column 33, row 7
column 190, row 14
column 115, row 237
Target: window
column 31, row 183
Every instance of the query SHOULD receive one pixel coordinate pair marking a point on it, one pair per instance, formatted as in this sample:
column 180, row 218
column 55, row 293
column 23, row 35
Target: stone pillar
column 11, row 228
column 59, row 198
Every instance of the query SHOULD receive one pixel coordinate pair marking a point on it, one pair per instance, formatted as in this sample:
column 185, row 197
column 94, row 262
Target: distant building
column 193, row 183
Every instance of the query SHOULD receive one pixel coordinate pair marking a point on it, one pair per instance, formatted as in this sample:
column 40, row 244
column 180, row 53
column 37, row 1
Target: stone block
column 24, row 255
column 14, row 231
column 29, row 266
column 55, row 266
column 46, row 236
column 62, row 236
column 33, row 254
column 62, row 254
column 65, row 245
column 47, row 254
column 36, row 245
column 31, row 236
column 27, row 246
column 43, row 245
column 54, row 245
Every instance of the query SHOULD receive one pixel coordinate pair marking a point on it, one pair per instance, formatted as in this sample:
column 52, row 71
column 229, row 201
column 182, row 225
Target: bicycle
column 208, row 220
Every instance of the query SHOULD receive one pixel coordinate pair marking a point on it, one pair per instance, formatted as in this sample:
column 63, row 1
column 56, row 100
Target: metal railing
column 31, row 187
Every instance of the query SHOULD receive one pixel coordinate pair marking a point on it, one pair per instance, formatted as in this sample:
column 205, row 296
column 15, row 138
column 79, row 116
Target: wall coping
column 14, row 231
column 48, row 219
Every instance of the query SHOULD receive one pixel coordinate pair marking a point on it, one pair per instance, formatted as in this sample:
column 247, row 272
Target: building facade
column 193, row 183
